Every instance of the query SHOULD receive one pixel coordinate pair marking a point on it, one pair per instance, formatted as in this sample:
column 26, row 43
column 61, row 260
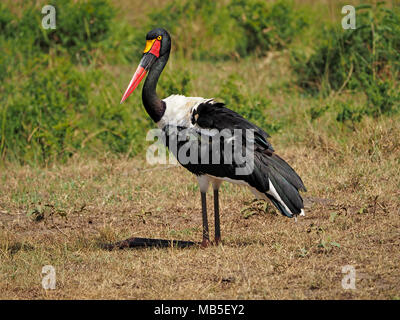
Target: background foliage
column 60, row 89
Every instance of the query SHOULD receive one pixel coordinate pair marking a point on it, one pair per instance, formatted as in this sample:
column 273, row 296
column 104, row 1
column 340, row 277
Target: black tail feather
column 288, row 193
column 285, row 170
column 280, row 207
column 284, row 179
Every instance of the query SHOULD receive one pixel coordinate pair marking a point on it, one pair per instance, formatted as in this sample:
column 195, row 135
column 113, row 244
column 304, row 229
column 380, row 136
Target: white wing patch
column 179, row 110
column 272, row 191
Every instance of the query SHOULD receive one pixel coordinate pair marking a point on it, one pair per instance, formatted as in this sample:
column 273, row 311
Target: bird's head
column 158, row 44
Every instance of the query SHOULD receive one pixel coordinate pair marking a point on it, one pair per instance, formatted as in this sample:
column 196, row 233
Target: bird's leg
column 206, row 237
column 216, row 217
column 216, row 184
column 204, row 182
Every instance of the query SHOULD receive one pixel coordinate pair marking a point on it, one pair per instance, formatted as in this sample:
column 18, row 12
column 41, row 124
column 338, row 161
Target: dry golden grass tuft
column 60, row 215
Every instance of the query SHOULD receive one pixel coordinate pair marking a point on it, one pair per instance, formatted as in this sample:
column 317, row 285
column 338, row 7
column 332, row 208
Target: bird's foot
column 205, row 243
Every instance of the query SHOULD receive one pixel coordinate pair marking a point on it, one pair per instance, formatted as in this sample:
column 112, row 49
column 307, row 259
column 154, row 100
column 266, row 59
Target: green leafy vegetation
column 221, row 30
column 81, row 25
column 365, row 59
column 55, row 97
column 60, row 89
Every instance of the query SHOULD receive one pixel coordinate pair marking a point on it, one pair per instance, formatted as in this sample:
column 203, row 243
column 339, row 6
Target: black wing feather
column 268, row 166
column 217, row 116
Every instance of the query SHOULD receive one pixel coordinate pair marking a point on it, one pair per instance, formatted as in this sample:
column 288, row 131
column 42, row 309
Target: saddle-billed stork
column 271, row 177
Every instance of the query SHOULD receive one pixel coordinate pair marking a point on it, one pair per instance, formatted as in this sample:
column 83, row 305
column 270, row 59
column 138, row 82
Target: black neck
column 153, row 105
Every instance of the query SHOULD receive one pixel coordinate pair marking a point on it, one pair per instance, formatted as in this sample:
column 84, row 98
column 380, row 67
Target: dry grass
column 353, row 207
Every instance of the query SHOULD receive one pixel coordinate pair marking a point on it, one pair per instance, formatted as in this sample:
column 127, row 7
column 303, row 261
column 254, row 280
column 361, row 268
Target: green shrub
column 348, row 112
column 267, row 27
column 87, row 32
column 80, row 25
column 54, row 100
column 5, row 19
column 201, row 29
column 206, row 29
column 41, row 118
column 58, row 110
column 366, row 59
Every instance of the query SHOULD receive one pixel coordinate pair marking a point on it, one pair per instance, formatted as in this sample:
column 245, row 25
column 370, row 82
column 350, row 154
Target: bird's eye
column 159, row 37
